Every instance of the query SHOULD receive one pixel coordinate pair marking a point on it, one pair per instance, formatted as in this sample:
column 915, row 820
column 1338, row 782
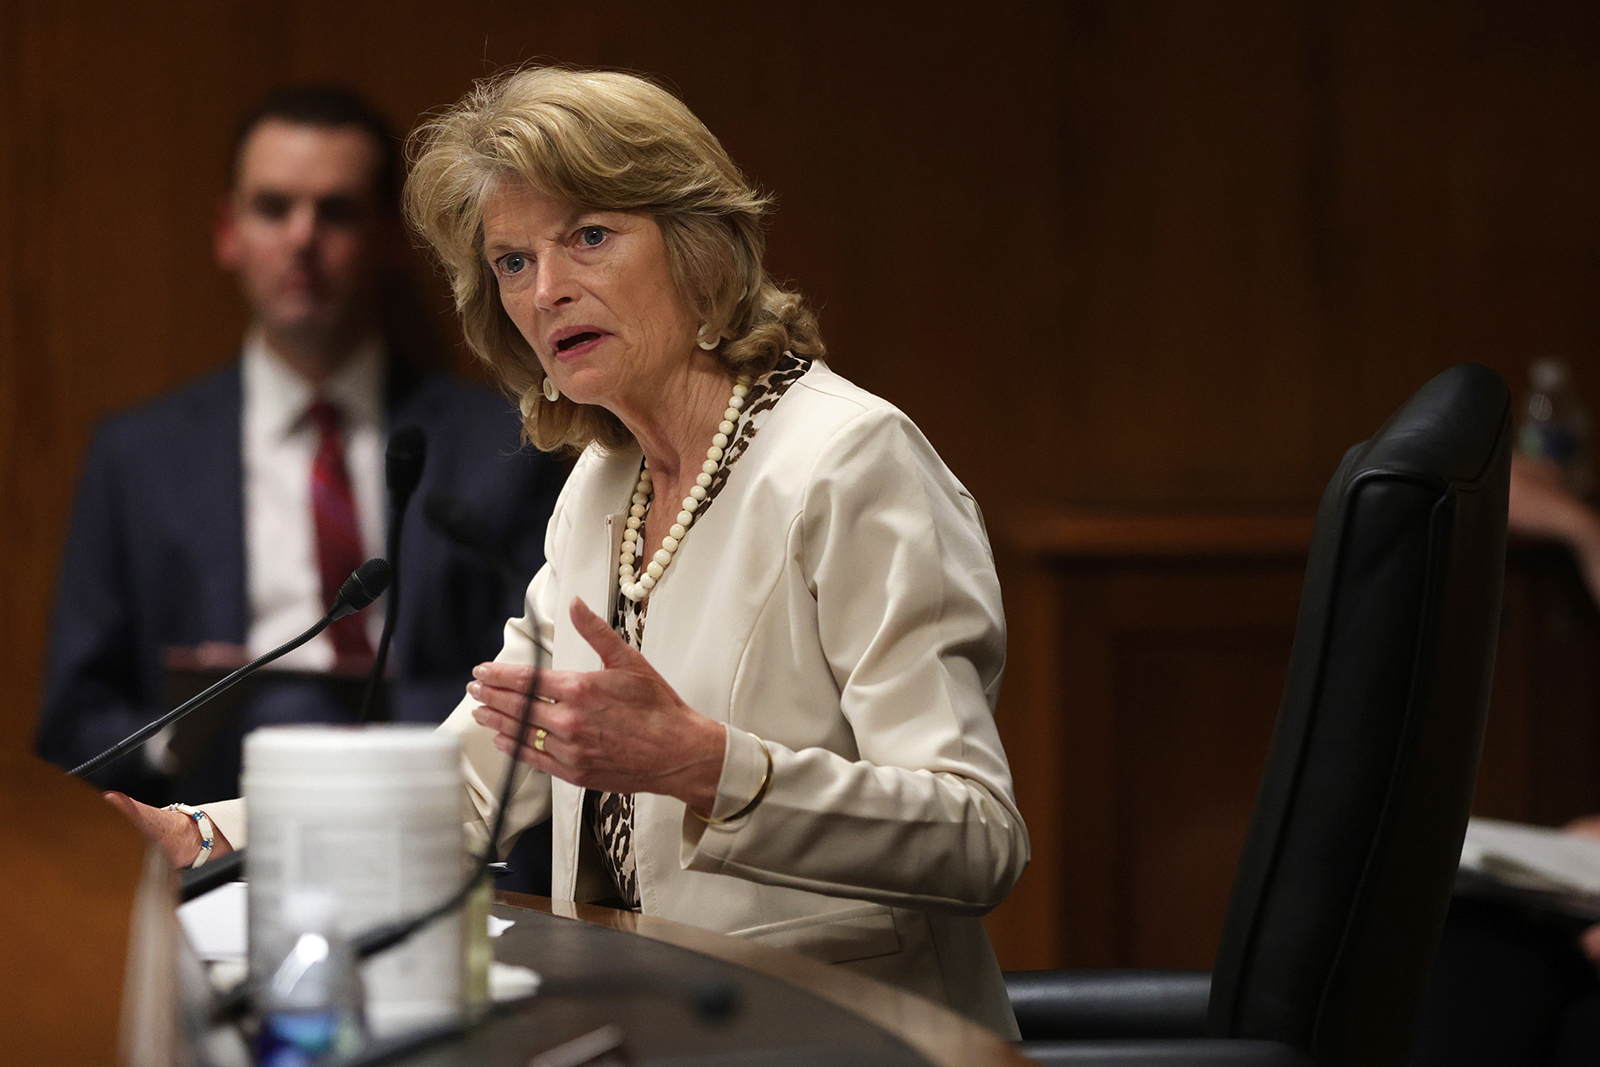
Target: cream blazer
column 839, row 600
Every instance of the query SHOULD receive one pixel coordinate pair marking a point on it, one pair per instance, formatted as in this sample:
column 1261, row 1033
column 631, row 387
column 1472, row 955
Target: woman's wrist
column 699, row 790
column 202, row 833
column 710, row 819
column 744, row 779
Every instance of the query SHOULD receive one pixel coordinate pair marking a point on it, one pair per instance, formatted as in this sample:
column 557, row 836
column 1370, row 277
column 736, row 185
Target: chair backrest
column 1345, row 876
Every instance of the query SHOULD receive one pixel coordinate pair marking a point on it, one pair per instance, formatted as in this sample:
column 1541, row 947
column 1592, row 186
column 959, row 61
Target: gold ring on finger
column 538, row 738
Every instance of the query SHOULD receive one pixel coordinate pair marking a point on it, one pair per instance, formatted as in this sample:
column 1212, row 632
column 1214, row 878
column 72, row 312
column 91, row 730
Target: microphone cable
column 387, row 935
column 403, row 461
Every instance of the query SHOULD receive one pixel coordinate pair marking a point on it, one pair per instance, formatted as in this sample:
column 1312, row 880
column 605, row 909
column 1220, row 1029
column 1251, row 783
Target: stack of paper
column 1532, row 857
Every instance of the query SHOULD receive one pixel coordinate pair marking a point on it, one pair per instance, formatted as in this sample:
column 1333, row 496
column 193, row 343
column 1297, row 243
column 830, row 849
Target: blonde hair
column 602, row 141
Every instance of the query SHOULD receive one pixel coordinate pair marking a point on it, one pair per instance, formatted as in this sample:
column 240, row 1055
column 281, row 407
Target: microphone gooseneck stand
column 365, row 585
column 403, row 464
column 360, row 589
column 403, row 461
column 214, row 875
column 714, row 1000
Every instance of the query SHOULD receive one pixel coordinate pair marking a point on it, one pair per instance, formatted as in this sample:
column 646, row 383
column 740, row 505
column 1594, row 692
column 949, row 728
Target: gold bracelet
column 761, row 794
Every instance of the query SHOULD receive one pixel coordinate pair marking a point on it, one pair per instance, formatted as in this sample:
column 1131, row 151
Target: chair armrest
column 1109, row 1003
column 1182, row 1052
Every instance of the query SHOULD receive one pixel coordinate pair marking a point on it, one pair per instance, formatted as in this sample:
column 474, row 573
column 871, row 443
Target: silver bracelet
column 208, row 831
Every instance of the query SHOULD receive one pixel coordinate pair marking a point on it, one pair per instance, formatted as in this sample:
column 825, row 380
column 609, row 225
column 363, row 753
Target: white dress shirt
column 284, row 584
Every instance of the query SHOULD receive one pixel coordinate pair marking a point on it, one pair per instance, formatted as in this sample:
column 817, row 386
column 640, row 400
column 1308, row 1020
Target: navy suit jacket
column 155, row 557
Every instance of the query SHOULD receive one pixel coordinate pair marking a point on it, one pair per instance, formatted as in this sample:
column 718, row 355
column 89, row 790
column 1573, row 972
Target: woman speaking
column 770, row 611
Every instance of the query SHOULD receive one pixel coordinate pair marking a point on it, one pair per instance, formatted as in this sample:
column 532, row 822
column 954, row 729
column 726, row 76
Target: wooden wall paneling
column 1563, row 691
column 1138, row 746
column 21, row 513
column 1089, row 770
column 1192, row 314
column 1060, row 737
column 13, row 623
column 118, row 161
column 21, row 626
column 1026, row 928
column 891, row 144
column 1201, row 655
column 1457, row 228
column 1280, row 228
column 1503, row 788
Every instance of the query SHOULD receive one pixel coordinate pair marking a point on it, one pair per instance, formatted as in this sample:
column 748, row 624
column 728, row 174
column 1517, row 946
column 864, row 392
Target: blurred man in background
column 214, row 523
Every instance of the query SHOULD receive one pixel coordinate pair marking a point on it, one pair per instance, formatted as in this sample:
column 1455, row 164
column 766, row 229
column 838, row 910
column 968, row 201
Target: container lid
column 386, row 748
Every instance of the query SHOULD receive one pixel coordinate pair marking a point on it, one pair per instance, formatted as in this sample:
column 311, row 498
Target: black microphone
column 364, row 586
column 402, row 468
column 463, row 527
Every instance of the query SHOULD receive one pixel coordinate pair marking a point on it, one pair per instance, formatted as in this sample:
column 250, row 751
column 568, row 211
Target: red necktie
column 339, row 549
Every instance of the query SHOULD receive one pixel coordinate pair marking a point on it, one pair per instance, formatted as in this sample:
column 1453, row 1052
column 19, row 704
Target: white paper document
column 215, row 923
column 216, row 926
column 1532, row 857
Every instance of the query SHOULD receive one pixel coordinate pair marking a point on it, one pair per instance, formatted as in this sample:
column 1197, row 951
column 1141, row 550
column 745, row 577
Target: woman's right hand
column 176, row 833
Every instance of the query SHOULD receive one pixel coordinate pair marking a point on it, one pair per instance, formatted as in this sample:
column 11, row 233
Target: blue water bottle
column 312, row 1003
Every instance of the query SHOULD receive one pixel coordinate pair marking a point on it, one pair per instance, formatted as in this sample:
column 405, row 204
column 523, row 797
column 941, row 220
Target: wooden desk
column 88, row 962
column 792, row 1010
column 66, row 1002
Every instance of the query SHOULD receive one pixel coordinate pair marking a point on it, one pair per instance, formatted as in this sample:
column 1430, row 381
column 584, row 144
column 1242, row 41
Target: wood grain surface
column 70, row 866
column 937, row 1033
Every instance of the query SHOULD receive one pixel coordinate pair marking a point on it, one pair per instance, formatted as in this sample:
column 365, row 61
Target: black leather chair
column 1345, row 877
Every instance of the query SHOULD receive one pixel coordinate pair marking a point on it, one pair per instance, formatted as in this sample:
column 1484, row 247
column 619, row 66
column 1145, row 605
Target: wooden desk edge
column 933, row 1030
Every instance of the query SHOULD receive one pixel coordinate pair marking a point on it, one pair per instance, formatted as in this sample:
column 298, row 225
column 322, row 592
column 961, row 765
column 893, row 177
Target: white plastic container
column 373, row 814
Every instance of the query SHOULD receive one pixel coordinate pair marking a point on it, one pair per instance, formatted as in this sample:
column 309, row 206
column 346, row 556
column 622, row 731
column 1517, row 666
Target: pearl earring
column 701, row 338
column 551, row 393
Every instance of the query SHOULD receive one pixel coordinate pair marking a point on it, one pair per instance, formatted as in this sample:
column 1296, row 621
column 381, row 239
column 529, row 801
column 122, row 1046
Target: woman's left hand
column 172, row 831
column 620, row 729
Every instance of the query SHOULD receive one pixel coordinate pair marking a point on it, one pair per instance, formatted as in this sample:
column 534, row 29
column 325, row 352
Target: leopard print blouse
column 609, row 816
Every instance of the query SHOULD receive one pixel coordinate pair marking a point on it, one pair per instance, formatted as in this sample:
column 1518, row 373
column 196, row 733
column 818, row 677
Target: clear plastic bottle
column 312, row 1002
column 1554, row 426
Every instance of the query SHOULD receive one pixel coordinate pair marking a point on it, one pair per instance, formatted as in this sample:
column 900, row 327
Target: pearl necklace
column 636, row 586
